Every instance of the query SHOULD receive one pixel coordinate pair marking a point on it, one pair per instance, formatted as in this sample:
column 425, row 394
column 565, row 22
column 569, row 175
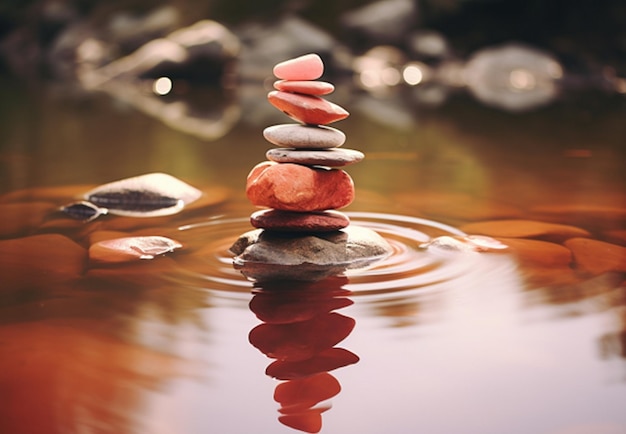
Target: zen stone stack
column 302, row 184
column 300, row 234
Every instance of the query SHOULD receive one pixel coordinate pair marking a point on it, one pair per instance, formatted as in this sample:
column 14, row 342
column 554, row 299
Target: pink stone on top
column 307, row 67
column 305, row 87
column 307, row 109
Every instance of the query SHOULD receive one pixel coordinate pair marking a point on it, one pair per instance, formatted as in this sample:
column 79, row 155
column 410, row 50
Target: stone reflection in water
column 300, row 330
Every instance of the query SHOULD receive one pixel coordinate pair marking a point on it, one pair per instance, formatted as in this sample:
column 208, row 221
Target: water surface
column 434, row 341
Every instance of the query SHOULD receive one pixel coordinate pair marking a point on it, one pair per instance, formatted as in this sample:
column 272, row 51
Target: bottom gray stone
column 265, row 255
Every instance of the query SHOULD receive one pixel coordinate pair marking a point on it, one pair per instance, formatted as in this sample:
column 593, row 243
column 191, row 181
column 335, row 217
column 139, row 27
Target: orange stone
column 293, row 187
column 525, row 229
column 40, row 261
column 308, row 109
column 597, row 257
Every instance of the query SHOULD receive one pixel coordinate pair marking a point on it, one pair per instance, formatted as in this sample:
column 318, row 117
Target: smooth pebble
column 326, row 157
column 304, row 136
column 307, row 67
column 306, row 87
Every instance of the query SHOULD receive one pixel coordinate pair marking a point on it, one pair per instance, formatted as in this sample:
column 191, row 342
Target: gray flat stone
column 304, row 136
column 322, row 157
column 266, row 255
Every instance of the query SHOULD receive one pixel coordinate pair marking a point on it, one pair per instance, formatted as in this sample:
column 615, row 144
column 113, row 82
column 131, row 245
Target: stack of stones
column 301, row 185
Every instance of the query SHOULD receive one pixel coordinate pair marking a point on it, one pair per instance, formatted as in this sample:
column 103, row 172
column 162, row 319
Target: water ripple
column 408, row 268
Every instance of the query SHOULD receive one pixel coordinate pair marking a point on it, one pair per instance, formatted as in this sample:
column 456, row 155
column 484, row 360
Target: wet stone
column 293, row 187
column 268, row 255
column 150, row 195
column 276, row 220
column 304, row 136
column 541, row 262
column 307, row 67
column 307, row 109
column 83, row 211
column 306, row 87
column 326, row 157
column 57, row 258
column 131, row 248
column 525, row 229
column 597, row 257
column 22, row 218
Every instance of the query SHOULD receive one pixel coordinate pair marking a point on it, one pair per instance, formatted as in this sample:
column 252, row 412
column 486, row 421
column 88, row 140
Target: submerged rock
column 40, row 261
column 265, row 255
column 150, row 195
column 465, row 243
column 597, row 257
column 131, row 248
column 517, row 228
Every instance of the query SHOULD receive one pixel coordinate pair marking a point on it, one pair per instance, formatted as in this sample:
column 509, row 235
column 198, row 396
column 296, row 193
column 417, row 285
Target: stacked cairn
column 301, row 183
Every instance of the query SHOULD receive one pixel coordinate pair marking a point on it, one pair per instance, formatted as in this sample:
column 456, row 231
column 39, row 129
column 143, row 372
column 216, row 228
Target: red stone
column 327, row 360
column 307, row 67
column 309, row 420
column 293, row 187
column 308, row 109
column 305, row 87
column 307, row 391
column 276, row 220
column 301, row 340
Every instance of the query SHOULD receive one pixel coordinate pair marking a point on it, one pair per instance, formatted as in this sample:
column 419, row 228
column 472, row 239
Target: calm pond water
column 528, row 340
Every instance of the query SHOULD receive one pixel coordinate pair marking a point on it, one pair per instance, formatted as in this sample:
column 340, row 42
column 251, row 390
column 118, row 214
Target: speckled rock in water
column 292, row 187
column 307, row 109
column 597, row 257
column 307, row 67
column 325, row 157
column 304, row 136
column 83, row 211
column 153, row 194
column 323, row 221
column 266, row 255
column 306, row 87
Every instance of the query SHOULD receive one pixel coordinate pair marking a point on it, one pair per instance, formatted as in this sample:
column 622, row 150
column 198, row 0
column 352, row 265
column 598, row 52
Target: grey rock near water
column 304, row 136
column 264, row 255
column 150, row 195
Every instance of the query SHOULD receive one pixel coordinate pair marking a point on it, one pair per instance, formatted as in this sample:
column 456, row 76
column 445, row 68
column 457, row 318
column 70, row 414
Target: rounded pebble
column 286, row 221
column 293, row 187
column 307, row 109
column 326, row 157
column 307, row 67
column 304, row 136
column 305, row 87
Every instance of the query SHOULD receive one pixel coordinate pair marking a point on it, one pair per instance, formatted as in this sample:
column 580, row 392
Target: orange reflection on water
column 300, row 331
column 57, row 379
